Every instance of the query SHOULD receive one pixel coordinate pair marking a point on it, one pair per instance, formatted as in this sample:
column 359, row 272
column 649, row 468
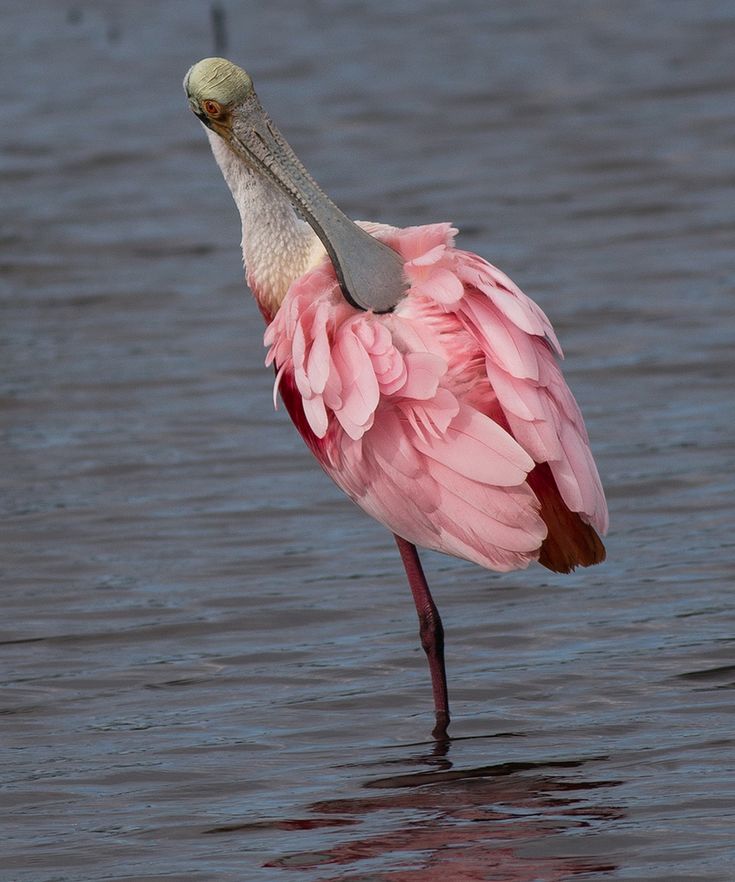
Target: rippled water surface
column 210, row 668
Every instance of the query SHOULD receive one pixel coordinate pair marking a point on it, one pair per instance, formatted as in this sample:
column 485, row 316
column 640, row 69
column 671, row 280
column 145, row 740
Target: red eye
column 212, row 108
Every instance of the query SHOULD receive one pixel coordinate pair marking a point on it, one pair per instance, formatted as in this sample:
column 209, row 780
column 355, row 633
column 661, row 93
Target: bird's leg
column 431, row 632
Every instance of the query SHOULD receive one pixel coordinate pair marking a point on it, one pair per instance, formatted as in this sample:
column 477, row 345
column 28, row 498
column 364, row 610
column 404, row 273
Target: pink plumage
column 447, row 420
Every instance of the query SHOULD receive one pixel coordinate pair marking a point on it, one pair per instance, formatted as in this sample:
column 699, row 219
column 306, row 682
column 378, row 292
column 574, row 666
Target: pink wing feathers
column 438, row 418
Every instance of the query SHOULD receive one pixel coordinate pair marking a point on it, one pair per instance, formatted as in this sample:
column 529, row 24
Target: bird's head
column 217, row 89
column 221, row 95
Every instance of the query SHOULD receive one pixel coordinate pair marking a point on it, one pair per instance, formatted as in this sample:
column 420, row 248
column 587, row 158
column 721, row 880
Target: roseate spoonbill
column 423, row 380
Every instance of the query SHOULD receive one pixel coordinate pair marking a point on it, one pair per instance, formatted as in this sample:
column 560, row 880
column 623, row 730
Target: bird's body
column 446, row 418
column 433, row 417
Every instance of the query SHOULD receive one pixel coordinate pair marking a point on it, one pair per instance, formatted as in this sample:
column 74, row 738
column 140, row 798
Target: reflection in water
column 460, row 824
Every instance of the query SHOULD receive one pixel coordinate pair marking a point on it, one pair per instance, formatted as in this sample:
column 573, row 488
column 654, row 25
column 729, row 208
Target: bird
column 424, row 381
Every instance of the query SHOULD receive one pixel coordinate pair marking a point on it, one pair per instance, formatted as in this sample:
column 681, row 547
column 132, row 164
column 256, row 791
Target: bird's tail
column 571, row 541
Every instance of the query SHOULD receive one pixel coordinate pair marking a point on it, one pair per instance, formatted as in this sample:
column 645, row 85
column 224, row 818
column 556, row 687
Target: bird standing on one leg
column 423, row 380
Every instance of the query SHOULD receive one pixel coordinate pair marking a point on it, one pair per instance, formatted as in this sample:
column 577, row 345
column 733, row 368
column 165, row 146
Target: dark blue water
column 209, row 660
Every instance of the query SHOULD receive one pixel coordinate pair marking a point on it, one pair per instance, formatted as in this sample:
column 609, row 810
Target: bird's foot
column 439, row 732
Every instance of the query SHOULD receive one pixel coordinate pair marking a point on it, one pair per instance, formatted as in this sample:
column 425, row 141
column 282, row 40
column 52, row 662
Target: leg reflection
column 446, row 823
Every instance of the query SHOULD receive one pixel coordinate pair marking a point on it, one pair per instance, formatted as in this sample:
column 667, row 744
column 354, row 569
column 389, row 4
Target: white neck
column 277, row 246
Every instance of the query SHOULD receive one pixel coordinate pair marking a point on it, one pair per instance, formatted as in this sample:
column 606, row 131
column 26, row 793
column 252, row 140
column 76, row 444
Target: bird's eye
column 212, row 108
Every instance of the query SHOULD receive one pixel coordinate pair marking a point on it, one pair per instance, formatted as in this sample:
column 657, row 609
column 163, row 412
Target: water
column 210, row 668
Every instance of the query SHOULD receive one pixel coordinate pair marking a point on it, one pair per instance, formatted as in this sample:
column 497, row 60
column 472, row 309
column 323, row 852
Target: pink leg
column 431, row 632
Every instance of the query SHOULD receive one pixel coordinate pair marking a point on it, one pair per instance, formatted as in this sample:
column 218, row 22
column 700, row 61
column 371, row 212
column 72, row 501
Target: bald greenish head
column 217, row 81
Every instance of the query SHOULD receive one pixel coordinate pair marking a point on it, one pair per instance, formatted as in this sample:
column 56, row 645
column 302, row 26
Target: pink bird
column 422, row 379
